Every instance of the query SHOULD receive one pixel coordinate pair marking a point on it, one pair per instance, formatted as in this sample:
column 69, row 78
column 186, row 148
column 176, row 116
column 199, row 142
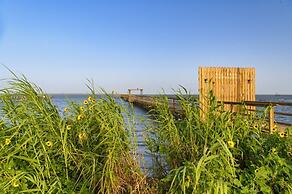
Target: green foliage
column 218, row 151
column 86, row 150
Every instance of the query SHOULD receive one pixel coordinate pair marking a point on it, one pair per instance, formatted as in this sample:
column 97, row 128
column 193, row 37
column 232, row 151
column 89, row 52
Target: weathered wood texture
column 231, row 84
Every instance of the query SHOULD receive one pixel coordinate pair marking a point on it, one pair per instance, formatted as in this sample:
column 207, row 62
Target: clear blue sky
column 152, row 44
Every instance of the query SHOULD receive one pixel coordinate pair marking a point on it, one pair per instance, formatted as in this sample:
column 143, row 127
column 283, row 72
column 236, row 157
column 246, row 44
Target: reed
column 90, row 147
column 226, row 152
column 86, row 149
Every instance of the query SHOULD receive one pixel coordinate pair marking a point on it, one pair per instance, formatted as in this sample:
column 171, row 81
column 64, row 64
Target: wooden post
column 173, row 104
column 272, row 119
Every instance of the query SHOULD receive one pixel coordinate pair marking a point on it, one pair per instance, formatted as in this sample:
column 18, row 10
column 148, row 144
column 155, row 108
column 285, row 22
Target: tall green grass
column 90, row 147
column 223, row 152
column 85, row 150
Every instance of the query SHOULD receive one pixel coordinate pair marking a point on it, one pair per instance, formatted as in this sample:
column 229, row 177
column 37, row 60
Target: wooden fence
column 232, row 84
column 271, row 114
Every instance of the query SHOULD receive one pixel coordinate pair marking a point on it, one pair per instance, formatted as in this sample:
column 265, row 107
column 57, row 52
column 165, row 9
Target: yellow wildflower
column 91, row 108
column 282, row 134
column 90, row 99
column 81, row 108
column 66, row 109
column 85, row 102
column 93, row 101
column 255, row 126
column 82, row 136
column 15, row 184
column 230, row 144
column 69, row 127
column 7, row 141
column 49, row 143
column 274, row 129
column 290, row 154
column 23, row 146
column 80, row 117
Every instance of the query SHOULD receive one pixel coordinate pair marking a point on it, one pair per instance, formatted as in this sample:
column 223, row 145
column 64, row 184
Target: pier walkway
column 148, row 102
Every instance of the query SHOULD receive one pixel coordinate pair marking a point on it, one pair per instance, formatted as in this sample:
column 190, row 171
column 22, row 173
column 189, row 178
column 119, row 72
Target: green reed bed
column 225, row 152
column 85, row 150
column 90, row 147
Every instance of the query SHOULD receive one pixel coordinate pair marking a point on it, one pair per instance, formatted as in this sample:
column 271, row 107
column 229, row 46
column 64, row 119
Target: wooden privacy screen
column 231, row 84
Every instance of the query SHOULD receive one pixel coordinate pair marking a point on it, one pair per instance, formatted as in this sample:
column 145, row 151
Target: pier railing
column 148, row 101
column 272, row 113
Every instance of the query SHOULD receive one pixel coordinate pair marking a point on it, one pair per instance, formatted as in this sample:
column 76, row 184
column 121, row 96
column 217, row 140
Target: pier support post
column 271, row 119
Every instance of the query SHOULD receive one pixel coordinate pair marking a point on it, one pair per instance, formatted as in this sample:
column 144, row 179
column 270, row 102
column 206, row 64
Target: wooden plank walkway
column 148, row 102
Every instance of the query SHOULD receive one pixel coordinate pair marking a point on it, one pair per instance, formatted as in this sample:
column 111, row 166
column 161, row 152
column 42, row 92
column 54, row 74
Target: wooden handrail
column 272, row 112
column 284, row 113
column 259, row 103
column 272, row 123
column 282, row 123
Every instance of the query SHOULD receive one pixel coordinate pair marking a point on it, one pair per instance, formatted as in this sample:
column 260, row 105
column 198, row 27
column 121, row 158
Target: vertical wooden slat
column 271, row 119
column 221, row 88
column 200, row 84
column 248, row 90
column 226, row 90
column 234, row 85
column 228, row 82
column 247, row 83
column 253, row 84
column 237, row 81
column 203, row 75
column 227, row 86
column 244, row 87
column 246, row 77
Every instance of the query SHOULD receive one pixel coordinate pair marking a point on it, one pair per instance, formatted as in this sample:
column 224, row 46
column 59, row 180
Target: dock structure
column 135, row 89
column 148, row 102
column 232, row 86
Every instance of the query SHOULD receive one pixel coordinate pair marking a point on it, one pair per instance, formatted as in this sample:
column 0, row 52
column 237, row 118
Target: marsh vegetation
column 89, row 147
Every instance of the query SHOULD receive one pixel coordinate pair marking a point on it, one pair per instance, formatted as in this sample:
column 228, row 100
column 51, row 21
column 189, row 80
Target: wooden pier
column 232, row 86
column 148, row 102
